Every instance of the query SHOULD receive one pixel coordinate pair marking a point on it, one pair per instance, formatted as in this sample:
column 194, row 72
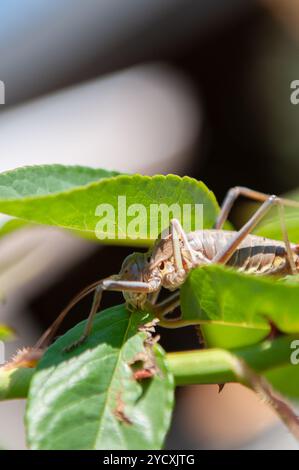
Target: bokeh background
column 199, row 88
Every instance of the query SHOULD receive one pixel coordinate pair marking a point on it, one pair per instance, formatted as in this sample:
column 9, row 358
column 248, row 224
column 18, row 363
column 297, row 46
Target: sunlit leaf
column 89, row 399
column 68, row 197
column 6, row 333
column 224, row 297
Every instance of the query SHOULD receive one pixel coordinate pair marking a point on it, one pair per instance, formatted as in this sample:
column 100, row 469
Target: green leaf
column 11, row 226
column 44, row 180
column 270, row 226
column 285, row 379
column 14, row 383
column 89, row 399
column 6, row 333
column 221, row 296
column 68, row 197
column 228, row 337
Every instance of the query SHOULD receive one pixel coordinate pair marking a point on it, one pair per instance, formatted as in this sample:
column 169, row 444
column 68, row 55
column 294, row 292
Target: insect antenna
column 48, row 335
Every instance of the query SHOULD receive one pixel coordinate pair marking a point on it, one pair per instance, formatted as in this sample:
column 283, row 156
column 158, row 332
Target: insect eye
column 162, row 265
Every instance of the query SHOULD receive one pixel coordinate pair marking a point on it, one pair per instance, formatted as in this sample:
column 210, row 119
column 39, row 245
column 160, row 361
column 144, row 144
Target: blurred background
column 199, row 88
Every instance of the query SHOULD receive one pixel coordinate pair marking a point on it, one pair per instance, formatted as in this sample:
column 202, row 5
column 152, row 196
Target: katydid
column 168, row 263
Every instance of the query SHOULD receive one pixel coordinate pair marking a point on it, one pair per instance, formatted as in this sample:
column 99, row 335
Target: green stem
column 14, row 383
column 242, row 365
column 218, row 365
column 188, row 367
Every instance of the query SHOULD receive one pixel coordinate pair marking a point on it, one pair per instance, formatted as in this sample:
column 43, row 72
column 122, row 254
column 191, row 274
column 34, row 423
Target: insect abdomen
column 256, row 255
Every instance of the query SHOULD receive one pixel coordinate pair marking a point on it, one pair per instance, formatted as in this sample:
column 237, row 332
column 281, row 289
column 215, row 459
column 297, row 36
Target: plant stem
column 259, row 384
column 188, row 367
column 14, row 383
column 217, row 365
column 220, row 366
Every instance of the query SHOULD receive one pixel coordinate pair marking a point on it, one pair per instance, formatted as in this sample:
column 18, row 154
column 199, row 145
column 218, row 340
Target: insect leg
column 177, row 252
column 176, row 227
column 286, row 237
column 94, row 308
column 165, row 306
column 226, row 253
column 49, row 334
column 153, row 297
column 178, row 231
column 233, row 193
column 108, row 284
column 237, row 191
